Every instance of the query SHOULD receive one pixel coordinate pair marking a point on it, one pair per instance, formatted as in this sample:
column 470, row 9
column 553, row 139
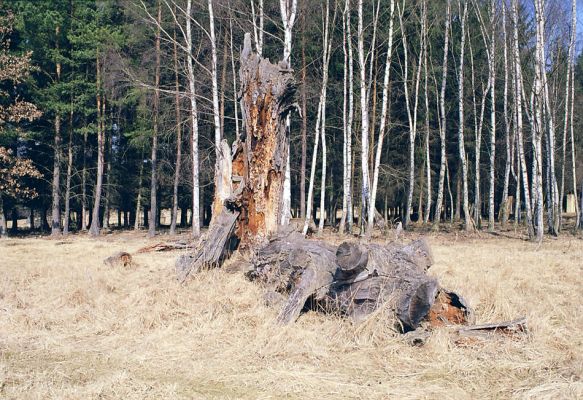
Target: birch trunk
column 139, row 196
column 553, row 205
column 427, row 131
column 518, row 108
column 411, row 115
column 194, row 124
column 570, row 60
column 304, row 129
column 443, row 124
column 492, row 78
column 222, row 190
column 288, row 9
column 94, row 229
column 178, row 139
column 68, row 178
column 383, row 122
column 461, row 143
column 327, row 49
column 365, row 195
column 345, row 171
column 258, row 29
column 56, row 186
column 537, row 117
column 154, row 174
column 84, row 210
column 508, row 164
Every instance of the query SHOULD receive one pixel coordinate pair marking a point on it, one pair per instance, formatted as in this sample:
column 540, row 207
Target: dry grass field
column 73, row 328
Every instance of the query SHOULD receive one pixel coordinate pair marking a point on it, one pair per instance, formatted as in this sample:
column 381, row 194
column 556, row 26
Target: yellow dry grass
column 72, row 328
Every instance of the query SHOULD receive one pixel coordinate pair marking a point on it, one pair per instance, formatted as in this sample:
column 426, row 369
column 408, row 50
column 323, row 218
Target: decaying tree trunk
column 252, row 211
column 351, row 279
column 355, row 280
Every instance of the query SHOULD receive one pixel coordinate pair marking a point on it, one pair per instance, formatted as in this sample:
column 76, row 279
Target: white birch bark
column 427, row 131
column 518, row 111
column 288, row 9
column 508, row 164
column 443, row 119
column 570, row 59
column 345, row 170
column 327, row 48
column 194, row 124
column 492, row 78
column 461, row 143
column 383, row 122
column 537, row 117
column 364, row 120
column 257, row 29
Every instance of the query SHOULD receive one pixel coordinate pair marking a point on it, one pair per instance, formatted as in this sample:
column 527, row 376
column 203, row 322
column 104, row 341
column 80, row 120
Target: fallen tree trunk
column 355, row 280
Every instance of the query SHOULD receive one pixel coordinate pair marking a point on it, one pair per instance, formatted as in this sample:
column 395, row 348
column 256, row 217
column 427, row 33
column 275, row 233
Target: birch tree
column 461, row 143
column 348, row 118
column 154, row 179
column 257, row 26
column 509, row 153
column 288, row 10
column 178, row 114
column 365, row 191
column 518, row 112
column 383, row 122
column 193, row 123
column 568, row 115
column 327, row 50
column 443, row 120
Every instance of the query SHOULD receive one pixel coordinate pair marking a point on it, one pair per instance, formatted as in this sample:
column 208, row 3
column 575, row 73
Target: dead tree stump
column 351, row 279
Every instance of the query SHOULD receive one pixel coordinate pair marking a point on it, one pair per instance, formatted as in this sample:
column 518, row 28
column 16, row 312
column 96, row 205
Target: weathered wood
column 162, row 246
column 218, row 243
column 351, row 279
column 267, row 97
column 120, row 259
column 516, row 325
column 246, row 210
column 351, row 257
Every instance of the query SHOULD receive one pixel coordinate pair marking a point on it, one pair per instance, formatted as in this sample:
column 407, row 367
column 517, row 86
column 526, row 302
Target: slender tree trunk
column 235, row 102
column 349, row 154
column 327, row 49
column 84, row 210
column 538, row 131
column 139, row 196
column 345, row 171
column 56, row 187
column 427, row 131
column 568, row 83
column 68, row 179
column 304, row 128
column 443, row 119
column 518, row 107
column 492, row 77
column 194, row 124
column 154, row 174
column 508, row 163
column 288, row 10
column 383, row 122
column 219, row 189
column 461, row 142
column 3, row 230
column 258, row 29
column 412, row 117
column 224, row 84
column 107, row 187
column 178, row 141
column 364, row 120
column 94, row 229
